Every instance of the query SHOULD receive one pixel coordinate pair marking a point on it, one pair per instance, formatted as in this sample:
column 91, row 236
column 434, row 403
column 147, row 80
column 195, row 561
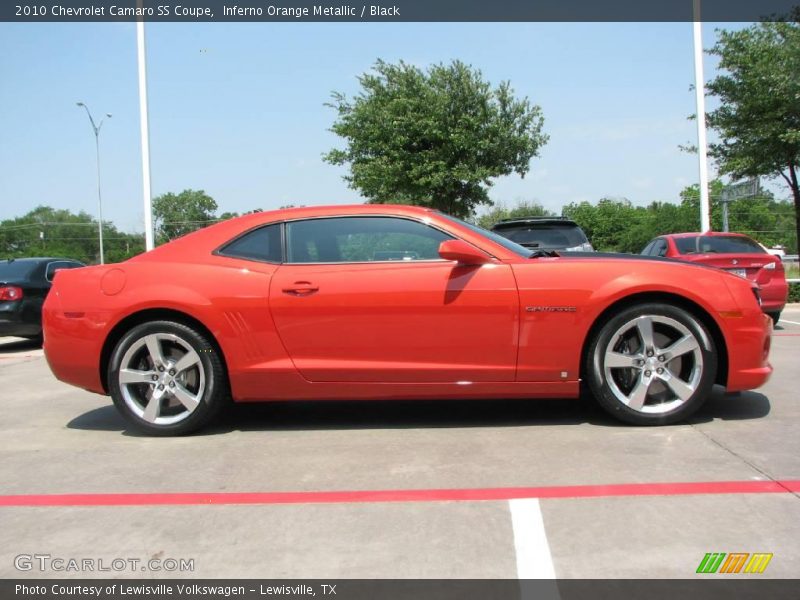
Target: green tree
column 433, row 138
column 758, row 120
column 46, row 231
column 175, row 215
column 523, row 208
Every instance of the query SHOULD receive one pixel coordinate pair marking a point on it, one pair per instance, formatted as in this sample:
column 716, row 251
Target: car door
column 368, row 299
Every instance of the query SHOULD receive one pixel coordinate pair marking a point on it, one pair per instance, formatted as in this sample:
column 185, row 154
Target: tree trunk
column 796, row 194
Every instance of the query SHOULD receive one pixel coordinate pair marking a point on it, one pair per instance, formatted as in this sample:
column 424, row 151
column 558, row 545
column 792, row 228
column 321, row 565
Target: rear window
column 545, row 234
column 16, row 269
column 718, row 244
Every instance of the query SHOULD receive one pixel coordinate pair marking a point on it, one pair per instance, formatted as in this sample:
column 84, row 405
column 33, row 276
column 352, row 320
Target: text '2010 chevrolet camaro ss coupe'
column 396, row 302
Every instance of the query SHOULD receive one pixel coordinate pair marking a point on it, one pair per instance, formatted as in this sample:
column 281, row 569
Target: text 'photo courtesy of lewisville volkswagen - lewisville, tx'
column 399, row 300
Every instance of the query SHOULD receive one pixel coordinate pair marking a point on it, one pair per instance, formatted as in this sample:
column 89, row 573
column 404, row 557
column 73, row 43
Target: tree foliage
column 433, row 138
column 175, row 215
column 617, row 225
column 523, row 208
column 47, row 231
column 758, row 120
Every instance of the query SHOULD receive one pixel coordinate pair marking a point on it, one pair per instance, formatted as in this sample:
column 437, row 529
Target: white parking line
column 792, row 322
column 530, row 540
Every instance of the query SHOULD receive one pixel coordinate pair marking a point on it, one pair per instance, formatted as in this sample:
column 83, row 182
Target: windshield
column 717, row 244
column 498, row 239
column 15, row 269
column 546, row 235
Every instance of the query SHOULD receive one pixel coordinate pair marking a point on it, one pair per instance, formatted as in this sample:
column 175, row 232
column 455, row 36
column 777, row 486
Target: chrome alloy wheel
column 161, row 378
column 653, row 364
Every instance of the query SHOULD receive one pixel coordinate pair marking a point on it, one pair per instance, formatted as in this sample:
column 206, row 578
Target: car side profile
column 24, row 284
column 395, row 302
column 734, row 252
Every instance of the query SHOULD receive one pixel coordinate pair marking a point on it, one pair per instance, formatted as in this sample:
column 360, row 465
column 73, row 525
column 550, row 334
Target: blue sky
column 238, row 109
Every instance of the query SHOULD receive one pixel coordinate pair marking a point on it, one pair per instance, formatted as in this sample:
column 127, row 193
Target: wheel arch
column 143, row 316
column 666, row 298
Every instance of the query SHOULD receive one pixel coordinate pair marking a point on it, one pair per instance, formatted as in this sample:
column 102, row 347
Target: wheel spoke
column 682, row 389
column 638, row 395
column 135, row 376
column 645, row 327
column 188, row 360
column 617, row 360
column 154, row 348
column 686, row 344
column 153, row 408
column 189, row 400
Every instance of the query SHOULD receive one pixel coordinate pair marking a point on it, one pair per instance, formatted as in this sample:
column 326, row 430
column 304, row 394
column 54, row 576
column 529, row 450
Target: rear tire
column 775, row 316
column 167, row 378
column 651, row 364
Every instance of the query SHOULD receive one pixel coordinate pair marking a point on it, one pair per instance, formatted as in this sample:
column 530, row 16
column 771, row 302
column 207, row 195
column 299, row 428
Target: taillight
column 10, row 293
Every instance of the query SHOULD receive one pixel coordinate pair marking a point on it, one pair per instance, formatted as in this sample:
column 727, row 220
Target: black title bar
column 397, row 10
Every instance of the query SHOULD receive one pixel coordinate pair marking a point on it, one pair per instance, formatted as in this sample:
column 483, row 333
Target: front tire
column 167, row 378
column 651, row 364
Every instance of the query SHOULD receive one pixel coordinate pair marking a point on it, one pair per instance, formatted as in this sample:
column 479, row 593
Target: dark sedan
column 24, row 283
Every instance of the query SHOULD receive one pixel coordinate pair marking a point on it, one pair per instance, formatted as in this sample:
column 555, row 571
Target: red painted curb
column 423, row 495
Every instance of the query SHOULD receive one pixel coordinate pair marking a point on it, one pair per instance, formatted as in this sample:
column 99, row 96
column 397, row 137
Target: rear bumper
column 774, row 295
column 749, row 338
column 20, row 318
column 72, row 346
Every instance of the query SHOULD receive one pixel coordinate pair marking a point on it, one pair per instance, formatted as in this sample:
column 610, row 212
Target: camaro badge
column 551, row 308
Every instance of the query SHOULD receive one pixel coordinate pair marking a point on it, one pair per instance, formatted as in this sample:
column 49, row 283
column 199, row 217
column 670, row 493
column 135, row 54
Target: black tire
column 203, row 385
column 651, row 391
column 775, row 316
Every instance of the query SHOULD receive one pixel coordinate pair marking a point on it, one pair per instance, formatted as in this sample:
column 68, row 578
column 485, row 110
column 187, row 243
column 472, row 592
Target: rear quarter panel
column 228, row 296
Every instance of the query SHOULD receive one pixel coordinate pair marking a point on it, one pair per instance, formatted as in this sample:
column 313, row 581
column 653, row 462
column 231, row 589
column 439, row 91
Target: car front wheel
column 167, row 378
column 651, row 364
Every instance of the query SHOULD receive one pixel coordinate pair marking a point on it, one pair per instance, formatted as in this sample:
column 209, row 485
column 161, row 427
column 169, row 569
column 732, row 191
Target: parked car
column 545, row 233
column 734, row 252
column 306, row 304
column 24, row 283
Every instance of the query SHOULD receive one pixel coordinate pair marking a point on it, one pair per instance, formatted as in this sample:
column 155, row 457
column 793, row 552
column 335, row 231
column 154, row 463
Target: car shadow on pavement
column 18, row 345
column 425, row 414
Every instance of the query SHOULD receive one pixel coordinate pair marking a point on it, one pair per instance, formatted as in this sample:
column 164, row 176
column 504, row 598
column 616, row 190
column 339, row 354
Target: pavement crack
column 744, row 460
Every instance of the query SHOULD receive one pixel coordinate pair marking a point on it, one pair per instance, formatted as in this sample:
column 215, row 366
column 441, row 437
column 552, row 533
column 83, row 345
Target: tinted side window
column 262, row 244
column 660, row 248
column 648, row 250
column 361, row 239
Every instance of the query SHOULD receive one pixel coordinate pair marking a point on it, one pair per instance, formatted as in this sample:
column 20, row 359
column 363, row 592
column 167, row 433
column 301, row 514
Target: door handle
column 301, row 288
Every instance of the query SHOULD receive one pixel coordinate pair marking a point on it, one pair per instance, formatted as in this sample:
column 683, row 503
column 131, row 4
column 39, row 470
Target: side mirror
column 462, row 252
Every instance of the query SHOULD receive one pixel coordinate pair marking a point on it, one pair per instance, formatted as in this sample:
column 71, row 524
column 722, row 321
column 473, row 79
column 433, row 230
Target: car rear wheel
column 167, row 378
column 651, row 364
column 775, row 316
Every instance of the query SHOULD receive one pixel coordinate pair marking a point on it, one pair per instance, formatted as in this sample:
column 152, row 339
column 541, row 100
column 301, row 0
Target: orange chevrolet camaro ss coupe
column 396, row 302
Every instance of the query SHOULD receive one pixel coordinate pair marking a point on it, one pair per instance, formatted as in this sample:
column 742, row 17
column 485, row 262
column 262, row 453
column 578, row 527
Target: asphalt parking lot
column 429, row 480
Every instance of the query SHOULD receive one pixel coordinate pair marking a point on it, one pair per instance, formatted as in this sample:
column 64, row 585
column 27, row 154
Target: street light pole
column 702, row 144
column 96, row 129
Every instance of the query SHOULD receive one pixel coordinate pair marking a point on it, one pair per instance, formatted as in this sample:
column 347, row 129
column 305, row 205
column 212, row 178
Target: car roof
column 39, row 259
column 704, row 234
column 535, row 220
column 215, row 235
